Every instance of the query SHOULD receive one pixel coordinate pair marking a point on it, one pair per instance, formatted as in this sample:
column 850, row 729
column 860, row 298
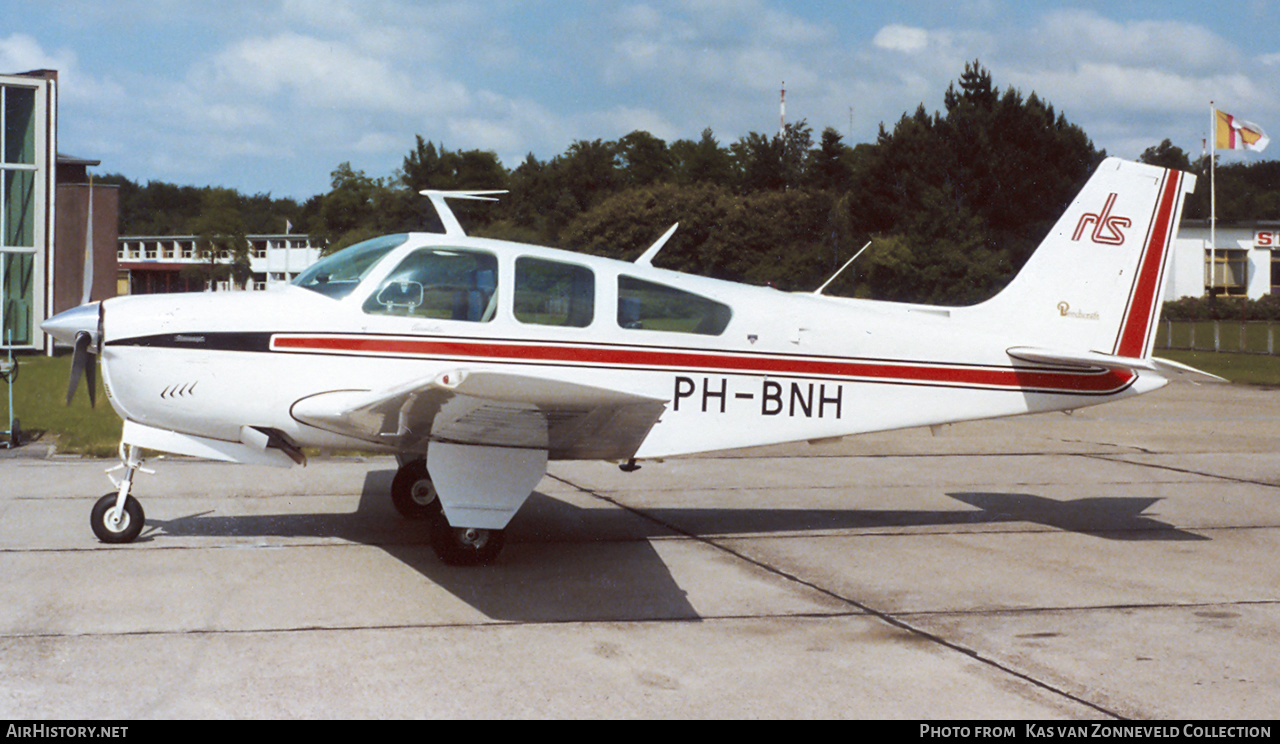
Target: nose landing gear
column 117, row 517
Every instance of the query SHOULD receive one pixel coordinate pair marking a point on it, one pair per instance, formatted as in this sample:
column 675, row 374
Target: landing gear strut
column 415, row 497
column 117, row 517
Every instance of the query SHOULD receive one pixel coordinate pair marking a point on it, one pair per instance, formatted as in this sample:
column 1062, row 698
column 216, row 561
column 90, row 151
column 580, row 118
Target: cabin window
column 650, row 306
column 447, row 283
column 554, row 293
column 337, row 275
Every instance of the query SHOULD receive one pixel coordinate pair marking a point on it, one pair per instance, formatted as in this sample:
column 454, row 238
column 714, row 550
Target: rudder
column 1095, row 283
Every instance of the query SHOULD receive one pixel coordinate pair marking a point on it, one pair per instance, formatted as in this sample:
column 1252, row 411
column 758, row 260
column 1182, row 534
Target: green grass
column 39, row 402
column 1249, row 369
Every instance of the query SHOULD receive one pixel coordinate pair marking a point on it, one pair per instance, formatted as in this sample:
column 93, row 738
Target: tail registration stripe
column 1132, row 341
column 1095, row 382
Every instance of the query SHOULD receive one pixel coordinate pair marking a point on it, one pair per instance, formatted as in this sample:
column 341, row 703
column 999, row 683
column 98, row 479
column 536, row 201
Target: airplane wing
column 496, row 409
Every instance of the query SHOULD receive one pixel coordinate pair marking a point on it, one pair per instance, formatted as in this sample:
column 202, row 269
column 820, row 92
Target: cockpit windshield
column 335, row 276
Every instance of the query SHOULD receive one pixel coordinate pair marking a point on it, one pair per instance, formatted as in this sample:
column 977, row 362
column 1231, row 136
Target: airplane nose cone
column 66, row 325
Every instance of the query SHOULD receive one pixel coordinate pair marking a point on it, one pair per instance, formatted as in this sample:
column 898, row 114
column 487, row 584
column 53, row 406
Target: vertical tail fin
column 1095, row 283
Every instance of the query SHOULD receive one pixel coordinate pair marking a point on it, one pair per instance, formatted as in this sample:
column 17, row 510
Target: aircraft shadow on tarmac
column 566, row 563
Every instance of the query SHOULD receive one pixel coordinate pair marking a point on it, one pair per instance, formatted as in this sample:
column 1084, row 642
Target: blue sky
column 270, row 96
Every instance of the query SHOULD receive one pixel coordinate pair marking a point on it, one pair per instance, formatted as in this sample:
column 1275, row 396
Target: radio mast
column 782, row 114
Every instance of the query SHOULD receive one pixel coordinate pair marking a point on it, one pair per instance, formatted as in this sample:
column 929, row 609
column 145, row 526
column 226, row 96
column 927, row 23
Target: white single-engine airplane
column 476, row 361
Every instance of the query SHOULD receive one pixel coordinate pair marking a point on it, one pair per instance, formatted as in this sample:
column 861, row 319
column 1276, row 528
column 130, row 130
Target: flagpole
column 1213, row 198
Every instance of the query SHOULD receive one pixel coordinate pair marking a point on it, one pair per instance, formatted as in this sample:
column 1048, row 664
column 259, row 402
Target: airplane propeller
column 83, row 366
column 81, row 327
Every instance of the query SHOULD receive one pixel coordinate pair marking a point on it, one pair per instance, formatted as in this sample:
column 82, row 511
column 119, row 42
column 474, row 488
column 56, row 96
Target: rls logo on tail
column 1106, row 227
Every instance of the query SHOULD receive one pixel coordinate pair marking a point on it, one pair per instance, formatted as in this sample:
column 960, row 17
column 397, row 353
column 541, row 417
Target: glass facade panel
column 20, row 181
column 19, row 125
column 19, row 195
column 16, row 281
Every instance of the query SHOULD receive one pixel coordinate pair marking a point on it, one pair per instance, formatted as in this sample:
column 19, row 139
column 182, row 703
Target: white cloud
column 901, row 39
column 1161, row 44
column 312, row 72
column 23, row 53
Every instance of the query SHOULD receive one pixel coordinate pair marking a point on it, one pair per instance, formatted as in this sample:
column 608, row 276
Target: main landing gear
column 415, row 497
column 117, row 517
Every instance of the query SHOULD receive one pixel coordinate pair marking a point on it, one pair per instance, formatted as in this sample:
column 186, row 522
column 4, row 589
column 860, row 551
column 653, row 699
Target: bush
column 1222, row 308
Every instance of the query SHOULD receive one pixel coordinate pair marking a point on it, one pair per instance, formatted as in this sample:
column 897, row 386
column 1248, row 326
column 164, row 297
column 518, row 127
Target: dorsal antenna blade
column 827, row 283
column 450, row 222
column 646, row 258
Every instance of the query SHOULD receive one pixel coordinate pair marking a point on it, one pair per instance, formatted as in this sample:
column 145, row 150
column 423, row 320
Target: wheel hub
column 117, row 519
column 473, row 537
column 423, row 492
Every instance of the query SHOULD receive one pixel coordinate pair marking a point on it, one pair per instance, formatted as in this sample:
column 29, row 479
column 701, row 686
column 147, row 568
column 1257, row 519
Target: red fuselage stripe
column 1089, row 382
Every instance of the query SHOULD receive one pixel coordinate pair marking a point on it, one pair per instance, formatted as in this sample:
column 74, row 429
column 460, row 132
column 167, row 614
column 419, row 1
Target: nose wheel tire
column 112, row 526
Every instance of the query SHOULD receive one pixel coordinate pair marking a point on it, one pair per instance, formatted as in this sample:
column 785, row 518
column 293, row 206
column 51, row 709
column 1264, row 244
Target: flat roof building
column 1245, row 264
column 151, row 264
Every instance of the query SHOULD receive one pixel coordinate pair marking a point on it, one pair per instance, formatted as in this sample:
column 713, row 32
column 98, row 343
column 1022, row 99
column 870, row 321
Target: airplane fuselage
column 785, row 367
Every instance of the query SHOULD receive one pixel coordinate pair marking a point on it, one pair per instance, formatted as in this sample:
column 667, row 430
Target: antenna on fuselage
column 646, row 258
column 827, row 283
column 450, row 222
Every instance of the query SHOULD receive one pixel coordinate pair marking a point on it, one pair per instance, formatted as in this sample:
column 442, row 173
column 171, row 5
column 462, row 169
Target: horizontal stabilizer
column 1106, row 361
column 1169, row 364
column 1080, row 358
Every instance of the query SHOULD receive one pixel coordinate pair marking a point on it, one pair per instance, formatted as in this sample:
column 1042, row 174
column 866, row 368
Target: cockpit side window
column 446, row 283
column 554, row 293
column 337, row 275
column 649, row 306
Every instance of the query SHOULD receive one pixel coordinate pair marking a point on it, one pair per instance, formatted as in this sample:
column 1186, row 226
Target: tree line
column 953, row 202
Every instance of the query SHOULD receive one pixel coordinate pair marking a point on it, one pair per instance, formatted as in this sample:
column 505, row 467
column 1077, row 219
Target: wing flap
column 569, row 420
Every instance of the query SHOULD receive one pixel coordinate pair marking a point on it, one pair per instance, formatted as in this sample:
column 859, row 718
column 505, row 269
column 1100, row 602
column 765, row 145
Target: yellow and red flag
column 1231, row 133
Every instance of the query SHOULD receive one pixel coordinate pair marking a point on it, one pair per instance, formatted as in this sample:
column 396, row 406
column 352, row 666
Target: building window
column 1230, row 271
column 17, row 214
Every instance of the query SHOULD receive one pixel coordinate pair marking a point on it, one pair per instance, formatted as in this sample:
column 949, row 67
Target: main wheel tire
column 129, row 526
column 465, row 546
column 412, row 492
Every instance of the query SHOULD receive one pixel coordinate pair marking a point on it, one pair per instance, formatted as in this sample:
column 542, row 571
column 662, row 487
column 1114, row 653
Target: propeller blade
column 79, row 360
column 91, row 379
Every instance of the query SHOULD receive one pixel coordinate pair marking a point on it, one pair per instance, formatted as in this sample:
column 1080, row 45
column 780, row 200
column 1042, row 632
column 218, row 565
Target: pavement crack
column 1174, row 469
column 866, row 609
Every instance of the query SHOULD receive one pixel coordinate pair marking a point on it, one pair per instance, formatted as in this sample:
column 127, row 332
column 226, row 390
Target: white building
column 1247, row 261
column 154, row 263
